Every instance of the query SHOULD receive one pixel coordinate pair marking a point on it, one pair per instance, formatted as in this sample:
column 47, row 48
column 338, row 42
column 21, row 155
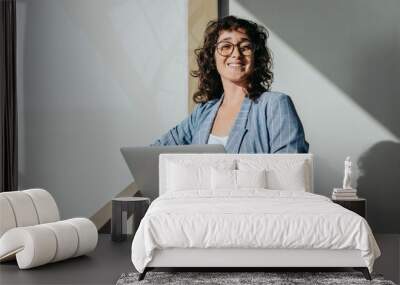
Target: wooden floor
column 103, row 266
column 388, row 264
column 111, row 259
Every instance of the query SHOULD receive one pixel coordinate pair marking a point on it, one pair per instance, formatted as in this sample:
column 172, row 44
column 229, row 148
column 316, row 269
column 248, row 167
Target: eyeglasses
column 226, row 48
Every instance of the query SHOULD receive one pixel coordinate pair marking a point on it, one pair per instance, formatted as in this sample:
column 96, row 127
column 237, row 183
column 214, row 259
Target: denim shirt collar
column 238, row 129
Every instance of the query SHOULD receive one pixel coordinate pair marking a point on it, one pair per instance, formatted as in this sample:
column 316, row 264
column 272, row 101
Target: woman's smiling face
column 234, row 65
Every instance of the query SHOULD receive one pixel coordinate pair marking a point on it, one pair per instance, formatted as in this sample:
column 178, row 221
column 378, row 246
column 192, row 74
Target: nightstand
column 122, row 209
column 358, row 206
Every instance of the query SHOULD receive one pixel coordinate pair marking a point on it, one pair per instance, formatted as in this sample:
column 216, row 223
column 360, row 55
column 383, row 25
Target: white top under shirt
column 217, row 140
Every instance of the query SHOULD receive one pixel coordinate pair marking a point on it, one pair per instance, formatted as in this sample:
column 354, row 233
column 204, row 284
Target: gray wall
column 340, row 62
column 93, row 76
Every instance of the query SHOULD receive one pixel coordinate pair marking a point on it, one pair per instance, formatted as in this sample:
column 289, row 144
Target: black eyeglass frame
column 234, row 45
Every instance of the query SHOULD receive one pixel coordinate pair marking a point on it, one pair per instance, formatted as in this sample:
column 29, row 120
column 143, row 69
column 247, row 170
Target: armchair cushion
column 31, row 232
column 40, row 244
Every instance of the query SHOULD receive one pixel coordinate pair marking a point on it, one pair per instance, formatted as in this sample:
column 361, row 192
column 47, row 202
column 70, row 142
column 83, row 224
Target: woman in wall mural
column 235, row 107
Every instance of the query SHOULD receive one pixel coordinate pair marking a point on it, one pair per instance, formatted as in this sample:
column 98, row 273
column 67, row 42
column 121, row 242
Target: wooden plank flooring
column 102, row 266
column 111, row 259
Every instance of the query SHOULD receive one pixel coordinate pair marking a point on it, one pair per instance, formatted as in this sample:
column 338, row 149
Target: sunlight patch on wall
column 335, row 125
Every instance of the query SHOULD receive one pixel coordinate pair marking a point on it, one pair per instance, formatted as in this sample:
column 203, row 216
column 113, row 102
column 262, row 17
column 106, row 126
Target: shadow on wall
column 355, row 44
column 379, row 184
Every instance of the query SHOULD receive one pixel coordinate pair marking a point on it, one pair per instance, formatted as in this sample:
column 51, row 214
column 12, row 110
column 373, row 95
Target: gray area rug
column 270, row 278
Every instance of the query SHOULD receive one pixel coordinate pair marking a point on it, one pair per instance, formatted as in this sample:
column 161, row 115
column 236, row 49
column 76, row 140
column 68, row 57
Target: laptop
column 143, row 163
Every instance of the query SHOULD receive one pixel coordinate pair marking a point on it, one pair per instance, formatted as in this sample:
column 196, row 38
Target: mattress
column 251, row 219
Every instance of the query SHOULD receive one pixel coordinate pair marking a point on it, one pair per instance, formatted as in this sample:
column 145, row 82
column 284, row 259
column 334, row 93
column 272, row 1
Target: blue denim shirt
column 269, row 124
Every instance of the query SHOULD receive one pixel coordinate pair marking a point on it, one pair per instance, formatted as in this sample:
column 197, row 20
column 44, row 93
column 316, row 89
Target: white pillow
column 189, row 176
column 291, row 178
column 223, row 179
column 281, row 174
column 237, row 179
column 251, row 178
column 183, row 177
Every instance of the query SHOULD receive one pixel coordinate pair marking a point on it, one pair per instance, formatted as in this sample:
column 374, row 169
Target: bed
column 247, row 210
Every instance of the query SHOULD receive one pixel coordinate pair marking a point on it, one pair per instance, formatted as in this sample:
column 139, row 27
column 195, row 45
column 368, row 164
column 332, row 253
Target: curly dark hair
column 210, row 84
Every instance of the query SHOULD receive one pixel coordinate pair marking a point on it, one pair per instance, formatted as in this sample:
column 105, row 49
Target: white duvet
column 252, row 218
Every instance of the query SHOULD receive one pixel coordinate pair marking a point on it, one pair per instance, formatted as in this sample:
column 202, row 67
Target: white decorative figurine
column 346, row 192
column 347, row 174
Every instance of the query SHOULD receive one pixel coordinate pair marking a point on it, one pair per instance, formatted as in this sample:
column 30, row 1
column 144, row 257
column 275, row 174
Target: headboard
column 212, row 159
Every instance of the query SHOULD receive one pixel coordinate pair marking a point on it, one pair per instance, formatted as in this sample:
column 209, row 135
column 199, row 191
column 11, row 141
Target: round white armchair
column 31, row 230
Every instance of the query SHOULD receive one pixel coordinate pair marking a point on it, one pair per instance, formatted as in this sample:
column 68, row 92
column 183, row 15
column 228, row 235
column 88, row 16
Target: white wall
column 340, row 62
column 93, row 76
